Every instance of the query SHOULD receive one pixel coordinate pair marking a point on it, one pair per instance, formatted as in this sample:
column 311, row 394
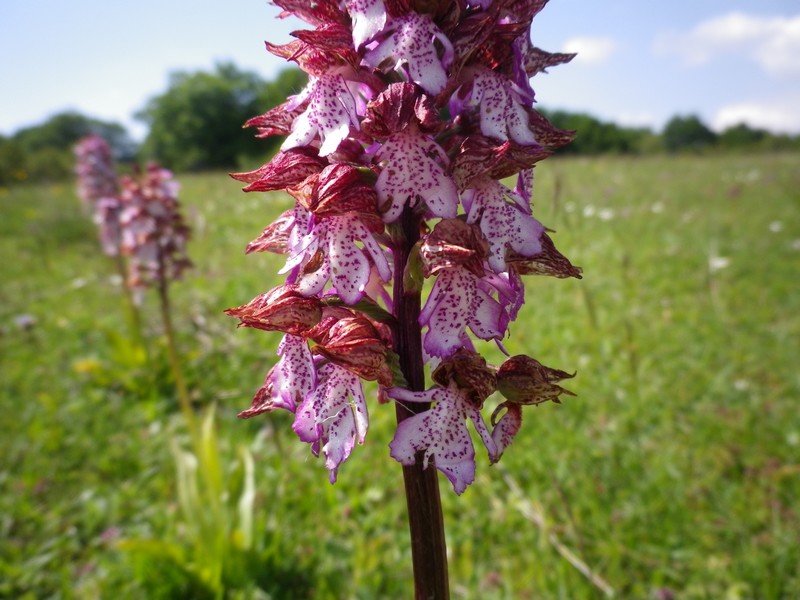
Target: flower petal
column 330, row 113
column 411, row 43
column 333, row 416
column 410, row 173
column 505, row 225
column 292, row 377
column 369, row 17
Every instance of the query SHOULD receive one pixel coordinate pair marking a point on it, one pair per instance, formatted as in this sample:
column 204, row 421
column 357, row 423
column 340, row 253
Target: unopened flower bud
column 358, row 345
column 469, row 371
column 281, row 309
column 524, row 380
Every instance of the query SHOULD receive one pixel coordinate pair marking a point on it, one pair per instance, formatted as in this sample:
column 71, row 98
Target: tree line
column 196, row 124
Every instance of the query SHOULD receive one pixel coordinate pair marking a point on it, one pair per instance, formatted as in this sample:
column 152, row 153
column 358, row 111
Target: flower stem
column 428, row 547
column 134, row 320
column 174, row 359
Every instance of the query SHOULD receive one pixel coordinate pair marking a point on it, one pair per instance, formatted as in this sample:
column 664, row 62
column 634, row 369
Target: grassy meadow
column 674, row 473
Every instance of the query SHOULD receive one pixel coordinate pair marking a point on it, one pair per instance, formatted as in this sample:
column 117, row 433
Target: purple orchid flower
column 394, row 153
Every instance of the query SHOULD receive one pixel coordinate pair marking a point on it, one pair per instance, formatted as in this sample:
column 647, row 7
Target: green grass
column 676, row 467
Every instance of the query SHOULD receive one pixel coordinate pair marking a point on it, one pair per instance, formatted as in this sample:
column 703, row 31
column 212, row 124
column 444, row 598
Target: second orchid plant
column 396, row 153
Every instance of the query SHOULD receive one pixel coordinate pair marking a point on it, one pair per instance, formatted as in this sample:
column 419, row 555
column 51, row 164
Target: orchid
column 153, row 232
column 98, row 188
column 404, row 249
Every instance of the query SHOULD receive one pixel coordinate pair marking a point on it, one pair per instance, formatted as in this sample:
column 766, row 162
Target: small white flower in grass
column 795, row 244
column 717, row 263
column 776, row 227
column 589, row 211
column 657, row 208
column 605, row 214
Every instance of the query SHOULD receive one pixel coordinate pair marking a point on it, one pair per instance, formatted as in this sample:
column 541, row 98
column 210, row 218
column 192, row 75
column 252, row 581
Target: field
column 674, row 473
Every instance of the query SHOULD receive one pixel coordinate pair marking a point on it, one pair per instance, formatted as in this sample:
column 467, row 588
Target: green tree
column 687, row 133
column 44, row 152
column 197, row 123
column 594, row 136
column 742, row 136
column 13, row 165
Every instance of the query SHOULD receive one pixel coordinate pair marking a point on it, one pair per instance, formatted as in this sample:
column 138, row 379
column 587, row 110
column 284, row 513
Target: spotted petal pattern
column 413, row 169
column 455, row 303
column 410, row 49
column 288, row 382
column 369, row 17
column 506, row 429
column 441, row 433
column 504, row 224
column 331, row 113
column 330, row 252
column 333, row 416
column 503, row 113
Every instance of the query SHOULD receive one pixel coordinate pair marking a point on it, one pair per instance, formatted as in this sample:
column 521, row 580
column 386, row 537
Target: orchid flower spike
column 396, row 154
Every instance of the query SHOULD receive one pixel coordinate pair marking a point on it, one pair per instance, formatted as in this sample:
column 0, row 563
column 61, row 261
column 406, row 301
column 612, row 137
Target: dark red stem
column 428, row 547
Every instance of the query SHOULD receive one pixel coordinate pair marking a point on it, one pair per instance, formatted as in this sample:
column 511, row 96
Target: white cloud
column 779, row 116
column 772, row 42
column 591, row 50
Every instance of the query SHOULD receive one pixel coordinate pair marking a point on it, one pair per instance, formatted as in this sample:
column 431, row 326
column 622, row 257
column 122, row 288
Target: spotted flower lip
column 409, row 48
column 441, row 434
column 333, row 416
column 288, row 382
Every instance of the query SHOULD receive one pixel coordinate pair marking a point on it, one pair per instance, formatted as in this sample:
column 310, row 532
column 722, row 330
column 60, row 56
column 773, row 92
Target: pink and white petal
column 349, row 266
column 410, row 172
column 503, row 116
column 405, row 395
column 294, row 375
column 312, row 284
column 503, row 223
column 411, row 43
column 487, row 320
column 480, row 426
column 447, row 311
column 328, row 421
column 506, row 428
column 442, row 434
column 369, row 17
column 378, row 255
column 331, row 112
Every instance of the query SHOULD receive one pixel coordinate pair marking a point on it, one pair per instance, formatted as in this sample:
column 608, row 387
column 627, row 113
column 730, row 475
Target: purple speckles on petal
column 369, row 17
column 455, row 303
column 292, row 377
column 504, row 224
column 329, row 252
column 503, row 114
column 331, row 112
column 505, row 430
column 333, row 416
column 412, row 169
column 441, row 433
column 410, row 48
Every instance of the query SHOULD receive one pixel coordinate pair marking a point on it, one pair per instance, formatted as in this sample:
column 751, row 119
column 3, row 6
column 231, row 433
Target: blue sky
column 639, row 62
